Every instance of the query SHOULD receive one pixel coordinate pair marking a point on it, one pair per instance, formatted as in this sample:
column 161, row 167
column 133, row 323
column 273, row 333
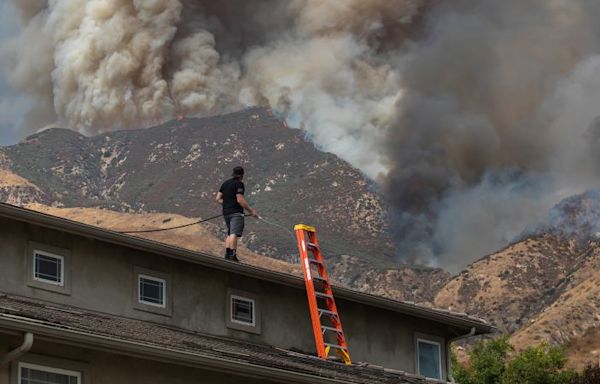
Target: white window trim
column 48, row 369
column 60, row 283
column 164, row 290
column 439, row 345
column 253, row 324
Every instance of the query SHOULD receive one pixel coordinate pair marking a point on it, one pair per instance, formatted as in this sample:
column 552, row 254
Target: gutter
column 19, row 351
column 162, row 354
column 449, row 352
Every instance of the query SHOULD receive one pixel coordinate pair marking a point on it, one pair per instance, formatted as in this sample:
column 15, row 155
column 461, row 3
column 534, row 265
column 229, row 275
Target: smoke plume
column 474, row 117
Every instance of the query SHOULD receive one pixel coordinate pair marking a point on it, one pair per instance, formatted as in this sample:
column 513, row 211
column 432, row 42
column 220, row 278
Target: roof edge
column 158, row 353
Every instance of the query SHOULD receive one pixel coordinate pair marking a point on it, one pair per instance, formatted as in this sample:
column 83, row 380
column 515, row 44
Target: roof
column 459, row 320
column 144, row 339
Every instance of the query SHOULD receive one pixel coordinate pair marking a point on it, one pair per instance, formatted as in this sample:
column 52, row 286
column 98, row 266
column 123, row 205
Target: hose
column 171, row 228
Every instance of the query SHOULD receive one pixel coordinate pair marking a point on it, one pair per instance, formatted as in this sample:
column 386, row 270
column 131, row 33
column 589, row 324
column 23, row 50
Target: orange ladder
column 326, row 322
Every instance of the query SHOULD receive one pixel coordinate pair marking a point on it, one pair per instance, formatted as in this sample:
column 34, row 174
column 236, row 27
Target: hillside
column 178, row 166
column 15, row 189
column 197, row 238
column 585, row 349
column 513, row 285
column 545, row 287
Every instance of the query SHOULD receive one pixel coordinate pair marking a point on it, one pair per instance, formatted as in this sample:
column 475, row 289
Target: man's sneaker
column 232, row 256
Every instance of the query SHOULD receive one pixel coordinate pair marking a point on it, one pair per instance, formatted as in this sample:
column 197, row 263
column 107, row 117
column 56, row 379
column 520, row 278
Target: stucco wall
column 102, row 279
column 4, row 370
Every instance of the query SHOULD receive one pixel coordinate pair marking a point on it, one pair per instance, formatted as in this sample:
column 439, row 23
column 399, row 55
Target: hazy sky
column 12, row 105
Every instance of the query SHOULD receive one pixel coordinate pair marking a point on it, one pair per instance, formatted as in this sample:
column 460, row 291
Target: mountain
column 15, row 189
column 177, row 167
column 545, row 287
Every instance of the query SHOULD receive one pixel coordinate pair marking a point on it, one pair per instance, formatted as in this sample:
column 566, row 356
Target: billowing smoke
column 109, row 64
column 495, row 122
column 473, row 116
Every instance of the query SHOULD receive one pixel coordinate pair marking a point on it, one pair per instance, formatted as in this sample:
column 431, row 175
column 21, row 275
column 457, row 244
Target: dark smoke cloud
column 480, row 100
column 474, row 116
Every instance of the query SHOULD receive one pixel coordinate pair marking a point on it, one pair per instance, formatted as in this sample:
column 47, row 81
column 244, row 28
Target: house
column 80, row 304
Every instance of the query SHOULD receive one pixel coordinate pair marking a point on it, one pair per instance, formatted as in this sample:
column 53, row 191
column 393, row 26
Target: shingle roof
column 447, row 317
column 65, row 322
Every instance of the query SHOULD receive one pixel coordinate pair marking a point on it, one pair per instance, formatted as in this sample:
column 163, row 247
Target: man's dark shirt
column 230, row 189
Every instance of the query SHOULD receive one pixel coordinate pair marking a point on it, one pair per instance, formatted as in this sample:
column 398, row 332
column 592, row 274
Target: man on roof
column 231, row 197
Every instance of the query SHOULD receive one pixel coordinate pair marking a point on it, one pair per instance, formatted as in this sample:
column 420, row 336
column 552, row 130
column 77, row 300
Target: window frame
column 140, row 305
column 51, row 251
column 233, row 297
column 238, row 325
column 141, row 276
column 425, row 340
column 41, row 252
column 43, row 368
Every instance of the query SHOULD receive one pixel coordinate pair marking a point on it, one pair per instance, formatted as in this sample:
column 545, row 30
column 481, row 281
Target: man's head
column 238, row 172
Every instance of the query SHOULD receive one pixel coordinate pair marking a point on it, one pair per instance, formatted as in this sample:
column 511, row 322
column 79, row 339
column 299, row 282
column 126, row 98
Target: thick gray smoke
column 114, row 64
column 496, row 122
column 475, row 116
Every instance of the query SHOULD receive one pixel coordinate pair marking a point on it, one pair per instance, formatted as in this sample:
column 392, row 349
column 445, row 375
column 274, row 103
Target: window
column 242, row 310
column 37, row 374
column 48, row 268
column 429, row 359
column 152, row 291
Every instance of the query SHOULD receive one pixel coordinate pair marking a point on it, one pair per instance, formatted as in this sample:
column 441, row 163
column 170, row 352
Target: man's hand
column 219, row 198
column 253, row 212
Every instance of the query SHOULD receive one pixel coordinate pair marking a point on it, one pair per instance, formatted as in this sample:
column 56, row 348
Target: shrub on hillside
column 591, row 375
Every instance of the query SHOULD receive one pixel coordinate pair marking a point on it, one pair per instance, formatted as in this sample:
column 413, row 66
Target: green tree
column 490, row 364
column 538, row 365
column 487, row 361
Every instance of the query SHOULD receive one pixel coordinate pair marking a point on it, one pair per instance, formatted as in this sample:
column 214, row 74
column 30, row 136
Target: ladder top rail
column 305, row 227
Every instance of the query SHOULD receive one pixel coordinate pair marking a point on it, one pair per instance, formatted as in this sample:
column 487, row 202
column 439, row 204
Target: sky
column 12, row 104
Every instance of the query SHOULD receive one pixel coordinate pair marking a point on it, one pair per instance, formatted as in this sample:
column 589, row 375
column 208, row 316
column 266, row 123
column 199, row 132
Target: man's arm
column 219, row 198
column 242, row 201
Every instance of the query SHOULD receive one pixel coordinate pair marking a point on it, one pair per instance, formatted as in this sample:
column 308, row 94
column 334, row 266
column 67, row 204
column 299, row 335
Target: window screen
column 42, row 375
column 242, row 310
column 152, row 290
column 48, row 268
column 429, row 359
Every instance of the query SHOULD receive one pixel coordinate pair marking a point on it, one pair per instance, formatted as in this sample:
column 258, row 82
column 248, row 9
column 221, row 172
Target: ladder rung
column 331, row 329
column 335, row 346
column 327, row 312
column 323, row 295
column 315, row 261
column 320, row 279
column 312, row 245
